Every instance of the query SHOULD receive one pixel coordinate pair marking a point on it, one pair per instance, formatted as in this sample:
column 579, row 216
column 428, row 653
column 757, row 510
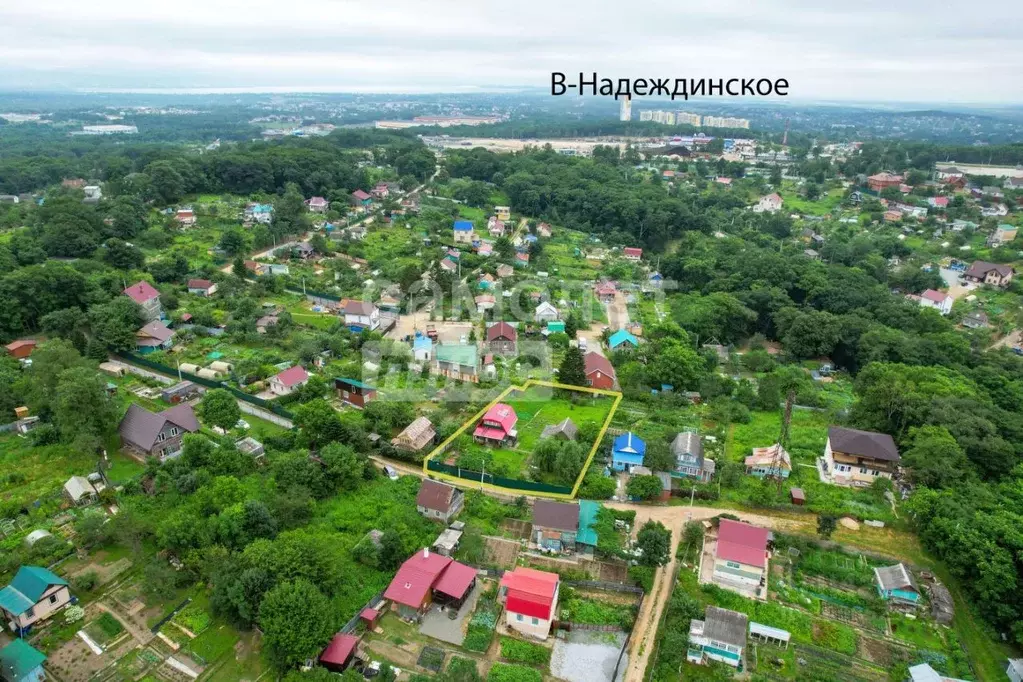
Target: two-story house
column 600, row 373
column 530, row 599
column 143, row 293
column 855, row 458
column 720, row 636
column 21, row 662
column 687, row 448
column 982, row 272
column 497, row 427
column 360, row 315
column 33, row 595
column 463, row 232
column 152, row 337
column 627, row 451
column 502, row 339
column 157, row 434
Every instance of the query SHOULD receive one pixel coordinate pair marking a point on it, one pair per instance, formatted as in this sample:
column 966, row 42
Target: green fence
column 513, row 483
column 208, row 383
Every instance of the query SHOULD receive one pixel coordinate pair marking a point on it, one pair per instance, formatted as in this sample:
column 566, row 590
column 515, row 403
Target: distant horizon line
column 476, row 90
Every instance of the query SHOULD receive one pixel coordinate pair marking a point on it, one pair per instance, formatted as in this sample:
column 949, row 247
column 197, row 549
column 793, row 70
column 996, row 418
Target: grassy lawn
column 826, row 203
column 30, row 473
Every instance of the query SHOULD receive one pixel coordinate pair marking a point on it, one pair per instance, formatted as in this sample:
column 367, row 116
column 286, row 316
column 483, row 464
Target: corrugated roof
column 339, row 649
column 742, row 542
column 435, row 495
column 455, row 580
column 141, row 291
column 18, row 659
column 587, row 534
column 530, row 592
column 414, row 579
column 141, row 427
column 725, row 626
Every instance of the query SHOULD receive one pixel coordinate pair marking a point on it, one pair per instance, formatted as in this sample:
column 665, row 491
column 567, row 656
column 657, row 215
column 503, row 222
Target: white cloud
column 873, row 49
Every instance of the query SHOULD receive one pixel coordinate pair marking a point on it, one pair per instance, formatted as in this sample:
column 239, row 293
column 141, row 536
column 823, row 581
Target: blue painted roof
column 622, row 336
column 28, row 586
column 630, row 444
column 463, row 226
column 19, row 659
column 423, row 343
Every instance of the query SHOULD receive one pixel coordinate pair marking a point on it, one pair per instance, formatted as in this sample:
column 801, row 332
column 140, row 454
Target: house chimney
column 426, row 552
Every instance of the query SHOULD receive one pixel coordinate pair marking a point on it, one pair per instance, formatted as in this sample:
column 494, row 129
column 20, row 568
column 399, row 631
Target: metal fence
column 482, row 477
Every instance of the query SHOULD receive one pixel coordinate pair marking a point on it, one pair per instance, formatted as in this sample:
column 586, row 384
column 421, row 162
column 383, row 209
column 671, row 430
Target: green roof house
column 20, row 662
column 458, row 361
column 35, row 594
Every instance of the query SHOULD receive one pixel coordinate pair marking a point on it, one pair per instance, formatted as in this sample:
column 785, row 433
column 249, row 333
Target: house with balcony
column 856, row 458
column 720, row 636
column 33, row 595
column 146, row 295
column 157, row 434
column 497, row 427
column 627, row 451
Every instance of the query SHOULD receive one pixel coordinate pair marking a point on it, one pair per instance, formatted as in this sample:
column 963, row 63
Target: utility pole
column 783, row 437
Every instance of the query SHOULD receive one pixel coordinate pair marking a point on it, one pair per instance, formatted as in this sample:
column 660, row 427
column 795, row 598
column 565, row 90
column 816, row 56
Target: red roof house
column 339, row 653
column 632, row 253
column 141, row 292
column 740, row 557
column 423, row 578
column 497, row 426
column 599, row 371
column 288, row 380
column 530, row 600
column 606, row 291
column 21, row 348
column 502, row 338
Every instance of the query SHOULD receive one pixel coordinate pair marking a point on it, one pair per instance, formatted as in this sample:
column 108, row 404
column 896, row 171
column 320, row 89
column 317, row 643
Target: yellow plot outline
column 504, row 394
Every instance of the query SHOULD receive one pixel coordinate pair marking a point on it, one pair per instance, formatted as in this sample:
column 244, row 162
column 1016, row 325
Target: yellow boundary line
column 504, row 394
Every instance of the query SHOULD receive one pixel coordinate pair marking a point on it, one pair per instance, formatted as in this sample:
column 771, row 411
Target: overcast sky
column 910, row 50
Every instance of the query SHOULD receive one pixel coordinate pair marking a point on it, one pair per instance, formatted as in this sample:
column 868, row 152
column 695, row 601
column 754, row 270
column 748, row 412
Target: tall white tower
column 626, row 111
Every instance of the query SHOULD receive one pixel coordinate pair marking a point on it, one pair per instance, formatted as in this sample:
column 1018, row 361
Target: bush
column 501, row 672
column 85, row 582
column 519, row 651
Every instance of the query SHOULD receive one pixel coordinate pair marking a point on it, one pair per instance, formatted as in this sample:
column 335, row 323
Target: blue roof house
column 34, row 595
column 627, row 452
column 463, row 231
column 422, row 348
column 21, row 662
column 620, row 338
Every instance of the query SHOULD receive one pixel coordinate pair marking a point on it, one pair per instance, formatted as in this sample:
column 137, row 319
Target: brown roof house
column 502, row 338
column 555, row 525
column 439, row 501
column 157, row 434
column 983, row 272
column 416, row 436
column 855, row 458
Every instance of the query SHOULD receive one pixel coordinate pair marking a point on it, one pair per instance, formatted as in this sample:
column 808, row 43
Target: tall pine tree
column 573, row 368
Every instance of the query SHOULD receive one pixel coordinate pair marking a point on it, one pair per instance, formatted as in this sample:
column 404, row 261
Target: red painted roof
column 142, row 291
column 360, row 195
column 199, row 284
column 489, row 433
column 743, row 543
column 20, row 343
column 414, row 579
column 932, row 295
column 455, row 580
column 530, row 592
column 293, row 376
column 501, row 330
column 594, row 362
column 339, row 649
column 632, row 251
column 500, row 416
column 606, row 288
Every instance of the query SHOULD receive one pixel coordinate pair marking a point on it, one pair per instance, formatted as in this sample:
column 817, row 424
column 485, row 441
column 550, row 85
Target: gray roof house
column 687, row 448
column 720, row 636
column 157, row 434
column 565, row 429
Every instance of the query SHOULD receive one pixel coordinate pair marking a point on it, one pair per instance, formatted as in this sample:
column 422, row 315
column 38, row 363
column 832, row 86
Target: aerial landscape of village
column 506, row 386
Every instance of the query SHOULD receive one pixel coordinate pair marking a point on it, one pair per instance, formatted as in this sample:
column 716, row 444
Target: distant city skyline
column 878, row 51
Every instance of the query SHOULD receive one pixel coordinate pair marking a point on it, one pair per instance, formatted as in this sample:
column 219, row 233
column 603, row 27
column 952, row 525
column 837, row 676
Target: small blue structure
column 895, row 585
column 627, row 451
column 21, row 662
column 422, row 348
column 463, row 226
column 621, row 337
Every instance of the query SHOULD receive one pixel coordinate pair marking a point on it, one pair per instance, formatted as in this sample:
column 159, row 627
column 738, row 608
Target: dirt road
column 618, row 312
